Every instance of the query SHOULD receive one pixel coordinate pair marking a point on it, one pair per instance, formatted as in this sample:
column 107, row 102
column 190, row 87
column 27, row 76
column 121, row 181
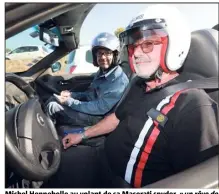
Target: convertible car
column 30, row 133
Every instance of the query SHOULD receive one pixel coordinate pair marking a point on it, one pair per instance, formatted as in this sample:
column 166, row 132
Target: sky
column 108, row 17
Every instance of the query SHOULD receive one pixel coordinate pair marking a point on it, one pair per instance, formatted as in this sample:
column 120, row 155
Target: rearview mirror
column 50, row 38
column 56, row 67
column 47, row 32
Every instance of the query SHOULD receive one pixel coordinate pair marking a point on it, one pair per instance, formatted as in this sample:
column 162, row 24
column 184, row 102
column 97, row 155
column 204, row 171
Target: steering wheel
column 29, row 135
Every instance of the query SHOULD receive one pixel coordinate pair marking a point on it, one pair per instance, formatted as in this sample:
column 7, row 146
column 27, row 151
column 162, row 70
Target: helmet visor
column 133, row 36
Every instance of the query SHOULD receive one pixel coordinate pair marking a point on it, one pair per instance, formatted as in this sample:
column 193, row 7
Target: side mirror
column 89, row 57
column 56, row 67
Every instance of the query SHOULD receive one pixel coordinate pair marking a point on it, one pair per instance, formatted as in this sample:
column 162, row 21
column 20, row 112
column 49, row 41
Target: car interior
column 27, row 137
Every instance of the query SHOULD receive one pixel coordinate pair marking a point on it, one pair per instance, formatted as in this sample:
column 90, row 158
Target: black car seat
column 216, row 27
column 202, row 59
column 123, row 62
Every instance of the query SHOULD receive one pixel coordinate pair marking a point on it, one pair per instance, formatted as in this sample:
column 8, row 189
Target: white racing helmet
column 166, row 22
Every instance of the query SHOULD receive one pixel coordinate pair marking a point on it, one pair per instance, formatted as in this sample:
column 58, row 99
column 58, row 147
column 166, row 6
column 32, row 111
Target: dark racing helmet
column 107, row 41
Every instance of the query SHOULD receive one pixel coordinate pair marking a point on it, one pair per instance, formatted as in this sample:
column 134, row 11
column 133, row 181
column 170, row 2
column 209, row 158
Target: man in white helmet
column 156, row 136
column 89, row 107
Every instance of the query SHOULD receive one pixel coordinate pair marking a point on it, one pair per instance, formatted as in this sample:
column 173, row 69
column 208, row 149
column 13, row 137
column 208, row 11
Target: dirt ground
column 16, row 65
column 22, row 65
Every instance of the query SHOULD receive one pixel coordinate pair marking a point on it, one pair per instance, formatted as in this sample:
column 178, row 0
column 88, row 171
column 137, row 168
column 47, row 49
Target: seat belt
column 204, row 83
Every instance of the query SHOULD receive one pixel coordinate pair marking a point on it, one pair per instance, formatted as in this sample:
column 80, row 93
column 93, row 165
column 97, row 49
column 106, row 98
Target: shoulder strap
column 205, row 83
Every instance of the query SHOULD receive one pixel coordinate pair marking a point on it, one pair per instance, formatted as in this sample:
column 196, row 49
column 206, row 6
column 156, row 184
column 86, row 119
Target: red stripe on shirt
column 168, row 107
column 150, row 142
column 144, row 156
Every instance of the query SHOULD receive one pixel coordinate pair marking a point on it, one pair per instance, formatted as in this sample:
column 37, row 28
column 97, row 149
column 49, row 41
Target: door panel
column 75, row 83
column 46, row 85
column 203, row 175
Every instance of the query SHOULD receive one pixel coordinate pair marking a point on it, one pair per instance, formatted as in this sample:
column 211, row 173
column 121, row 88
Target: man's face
column 146, row 55
column 104, row 58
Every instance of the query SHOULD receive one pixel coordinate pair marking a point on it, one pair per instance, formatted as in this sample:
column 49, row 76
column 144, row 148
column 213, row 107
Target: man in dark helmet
column 87, row 108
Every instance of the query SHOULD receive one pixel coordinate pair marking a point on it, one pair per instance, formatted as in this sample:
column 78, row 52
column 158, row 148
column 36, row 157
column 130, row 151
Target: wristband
column 83, row 136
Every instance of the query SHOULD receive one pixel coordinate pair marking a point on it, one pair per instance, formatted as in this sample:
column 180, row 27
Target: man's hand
column 63, row 97
column 65, row 94
column 71, row 139
column 60, row 99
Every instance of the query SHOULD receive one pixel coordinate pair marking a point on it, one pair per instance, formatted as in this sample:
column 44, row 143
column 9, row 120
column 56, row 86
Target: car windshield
column 21, row 55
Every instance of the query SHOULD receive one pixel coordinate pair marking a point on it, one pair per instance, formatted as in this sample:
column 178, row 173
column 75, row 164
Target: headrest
column 216, row 27
column 124, row 63
column 202, row 59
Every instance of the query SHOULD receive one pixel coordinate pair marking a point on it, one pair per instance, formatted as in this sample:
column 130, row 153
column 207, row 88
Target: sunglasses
column 105, row 53
column 146, row 46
